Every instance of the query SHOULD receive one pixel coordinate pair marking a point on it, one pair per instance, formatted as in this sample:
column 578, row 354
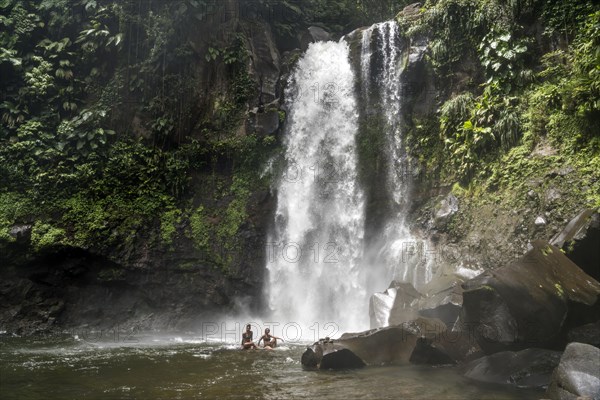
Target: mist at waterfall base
column 321, row 271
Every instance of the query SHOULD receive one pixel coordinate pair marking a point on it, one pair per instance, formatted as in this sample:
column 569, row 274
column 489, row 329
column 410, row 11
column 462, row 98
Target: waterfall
column 315, row 247
column 401, row 254
column 320, row 276
column 365, row 61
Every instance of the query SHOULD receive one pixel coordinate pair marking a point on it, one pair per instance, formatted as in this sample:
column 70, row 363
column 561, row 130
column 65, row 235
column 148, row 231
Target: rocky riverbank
column 508, row 325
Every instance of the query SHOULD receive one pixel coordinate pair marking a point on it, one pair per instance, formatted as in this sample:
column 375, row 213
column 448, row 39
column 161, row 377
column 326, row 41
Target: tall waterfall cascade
column 401, row 253
column 317, row 264
column 316, row 244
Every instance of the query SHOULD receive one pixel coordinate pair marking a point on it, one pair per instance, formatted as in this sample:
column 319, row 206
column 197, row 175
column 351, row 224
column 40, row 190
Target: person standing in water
column 247, row 342
column 269, row 341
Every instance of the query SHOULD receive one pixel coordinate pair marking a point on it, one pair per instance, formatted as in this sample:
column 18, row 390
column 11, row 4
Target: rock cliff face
column 140, row 285
column 143, row 282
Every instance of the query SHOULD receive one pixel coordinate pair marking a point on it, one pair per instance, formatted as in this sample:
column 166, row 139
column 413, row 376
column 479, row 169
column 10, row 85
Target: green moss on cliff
column 200, row 228
column 168, row 225
column 44, row 235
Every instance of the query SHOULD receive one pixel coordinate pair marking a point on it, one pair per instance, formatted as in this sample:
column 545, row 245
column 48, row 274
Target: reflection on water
column 187, row 367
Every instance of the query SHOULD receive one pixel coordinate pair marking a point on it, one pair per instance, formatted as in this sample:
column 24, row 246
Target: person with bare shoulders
column 247, row 342
column 269, row 341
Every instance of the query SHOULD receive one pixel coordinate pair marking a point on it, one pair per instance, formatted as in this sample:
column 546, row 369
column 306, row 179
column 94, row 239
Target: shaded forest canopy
column 111, row 110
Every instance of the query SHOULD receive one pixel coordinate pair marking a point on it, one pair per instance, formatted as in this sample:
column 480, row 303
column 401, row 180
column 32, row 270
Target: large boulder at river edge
column 442, row 299
column 393, row 344
column 531, row 368
column 588, row 334
column 577, row 375
column 421, row 341
column 401, row 302
column 531, row 302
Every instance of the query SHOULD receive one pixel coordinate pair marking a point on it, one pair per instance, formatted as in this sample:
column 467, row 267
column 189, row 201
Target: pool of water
column 187, row 367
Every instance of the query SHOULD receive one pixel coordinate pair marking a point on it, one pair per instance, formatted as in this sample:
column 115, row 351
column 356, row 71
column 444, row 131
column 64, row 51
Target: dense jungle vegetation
column 523, row 94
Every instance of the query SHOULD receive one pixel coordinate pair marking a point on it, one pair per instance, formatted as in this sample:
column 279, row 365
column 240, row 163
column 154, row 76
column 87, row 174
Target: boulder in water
column 423, row 341
column 588, row 334
column 325, row 354
column 577, row 375
column 393, row 344
column 341, row 359
column 531, row 368
column 426, row 352
column 531, row 302
column 312, row 356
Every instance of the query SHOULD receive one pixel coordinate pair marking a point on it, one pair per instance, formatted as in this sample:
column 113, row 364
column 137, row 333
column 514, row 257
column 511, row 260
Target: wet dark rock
column 425, row 352
column 330, row 355
column 313, row 34
column 341, row 359
column 265, row 63
column 531, row 302
column 588, row 334
column 443, row 300
column 580, row 241
column 264, row 122
column 577, row 374
column 394, row 306
column 404, row 301
column 393, row 344
column 531, row 368
column 311, row 357
column 401, row 302
column 444, row 211
column 423, row 340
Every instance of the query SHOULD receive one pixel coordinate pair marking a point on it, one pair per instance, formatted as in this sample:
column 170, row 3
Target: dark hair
column 248, row 326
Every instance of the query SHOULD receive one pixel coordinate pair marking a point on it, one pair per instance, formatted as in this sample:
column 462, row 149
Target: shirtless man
column 269, row 341
column 247, row 342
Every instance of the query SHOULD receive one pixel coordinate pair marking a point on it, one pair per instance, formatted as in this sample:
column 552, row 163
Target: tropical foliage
column 530, row 80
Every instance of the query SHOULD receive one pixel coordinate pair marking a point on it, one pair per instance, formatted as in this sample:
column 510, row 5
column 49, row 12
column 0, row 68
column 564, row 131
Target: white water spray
column 315, row 249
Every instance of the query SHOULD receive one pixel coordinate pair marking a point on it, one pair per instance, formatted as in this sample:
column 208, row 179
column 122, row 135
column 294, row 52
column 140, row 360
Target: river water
column 187, row 367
